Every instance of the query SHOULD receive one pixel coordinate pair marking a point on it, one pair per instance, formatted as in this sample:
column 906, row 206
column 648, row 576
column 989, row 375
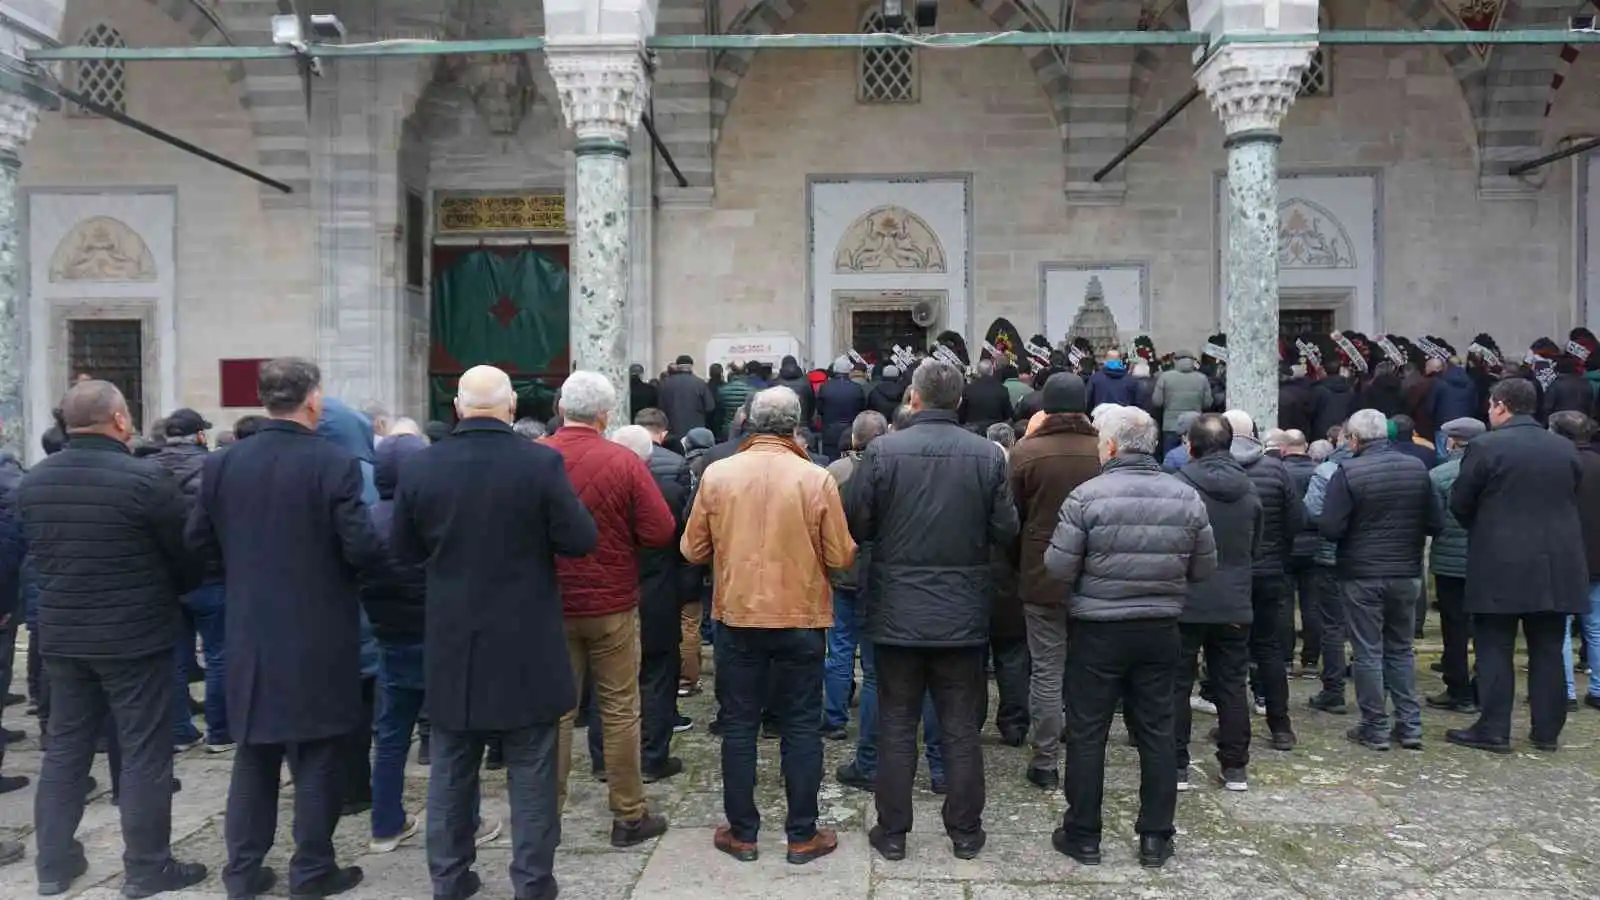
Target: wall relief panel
column 101, row 248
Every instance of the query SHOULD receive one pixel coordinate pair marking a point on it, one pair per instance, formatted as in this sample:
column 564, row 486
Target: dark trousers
column 1456, row 626
column 532, row 786
column 1135, row 662
column 1381, row 614
column 658, row 711
column 955, row 679
column 8, row 657
column 1271, row 677
column 748, row 661
column 357, row 756
column 36, row 674
column 1227, row 654
column 318, row 770
column 1013, row 670
column 1495, row 637
column 204, row 607
column 138, row 695
column 1335, row 631
column 1300, row 591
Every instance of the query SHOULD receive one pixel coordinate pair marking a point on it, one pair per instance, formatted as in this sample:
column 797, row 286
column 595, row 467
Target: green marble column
column 1251, row 87
column 13, row 295
column 603, row 87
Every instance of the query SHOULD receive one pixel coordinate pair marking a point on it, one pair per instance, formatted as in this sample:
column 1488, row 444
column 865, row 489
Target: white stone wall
column 245, row 280
column 1452, row 264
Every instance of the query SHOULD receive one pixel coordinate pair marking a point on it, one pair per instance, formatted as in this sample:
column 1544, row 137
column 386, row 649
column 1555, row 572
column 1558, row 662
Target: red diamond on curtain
column 504, row 310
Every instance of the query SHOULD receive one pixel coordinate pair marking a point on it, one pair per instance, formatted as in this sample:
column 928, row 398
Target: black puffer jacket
column 985, row 402
column 1334, row 402
column 1283, row 512
column 933, row 501
column 791, row 376
column 183, row 458
column 1236, row 527
column 1297, row 406
column 105, row 533
column 1300, row 468
column 396, row 601
column 666, row 582
column 886, row 397
column 1379, row 507
column 839, row 400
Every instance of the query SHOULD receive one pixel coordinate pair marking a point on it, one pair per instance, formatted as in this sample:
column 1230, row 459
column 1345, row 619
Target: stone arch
column 1512, row 106
column 268, row 89
column 772, row 17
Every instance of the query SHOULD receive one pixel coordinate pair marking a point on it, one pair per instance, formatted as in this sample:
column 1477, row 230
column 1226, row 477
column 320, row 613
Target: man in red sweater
column 600, row 592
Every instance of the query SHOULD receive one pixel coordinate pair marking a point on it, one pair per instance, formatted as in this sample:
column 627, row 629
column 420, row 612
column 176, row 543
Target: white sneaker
column 488, row 830
column 219, row 748
column 1183, row 781
column 185, row 748
column 391, row 844
column 1235, row 779
column 1201, row 705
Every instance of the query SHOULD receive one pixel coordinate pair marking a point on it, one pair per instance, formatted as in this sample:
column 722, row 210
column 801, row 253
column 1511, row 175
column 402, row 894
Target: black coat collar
column 96, row 442
column 482, row 423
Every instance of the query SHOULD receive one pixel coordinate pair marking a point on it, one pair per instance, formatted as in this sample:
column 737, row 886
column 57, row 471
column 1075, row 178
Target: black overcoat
column 282, row 511
column 1517, row 496
column 486, row 513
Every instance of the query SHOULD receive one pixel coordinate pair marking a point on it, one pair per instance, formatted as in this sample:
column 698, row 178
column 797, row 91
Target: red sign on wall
column 239, row 381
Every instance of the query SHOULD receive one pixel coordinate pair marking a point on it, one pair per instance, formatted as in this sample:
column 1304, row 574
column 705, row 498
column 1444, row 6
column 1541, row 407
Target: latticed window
column 105, row 81
column 1316, row 80
column 888, row 74
column 110, row 350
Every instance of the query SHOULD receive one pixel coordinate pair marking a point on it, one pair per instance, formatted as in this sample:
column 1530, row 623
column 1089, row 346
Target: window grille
column 888, row 74
column 105, row 81
column 110, row 350
column 1315, row 81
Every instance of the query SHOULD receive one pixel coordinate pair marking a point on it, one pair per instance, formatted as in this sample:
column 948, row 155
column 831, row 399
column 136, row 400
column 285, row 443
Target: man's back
column 487, row 512
column 772, row 524
column 1237, row 526
column 105, row 535
column 1046, row 466
column 283, row 513
column 931, row 499
column 1282, row 507
column 1379, row 508
column 628, row 511
column 687, row 401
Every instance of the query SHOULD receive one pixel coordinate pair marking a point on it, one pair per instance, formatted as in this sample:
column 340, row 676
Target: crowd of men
column 352, row 577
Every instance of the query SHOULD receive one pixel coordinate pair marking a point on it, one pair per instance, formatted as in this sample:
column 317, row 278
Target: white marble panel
column 1062, row 287
column 942, row 203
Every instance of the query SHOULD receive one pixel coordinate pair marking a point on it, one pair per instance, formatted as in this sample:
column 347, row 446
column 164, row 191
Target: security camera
column 327, row 27
column 1583, row 24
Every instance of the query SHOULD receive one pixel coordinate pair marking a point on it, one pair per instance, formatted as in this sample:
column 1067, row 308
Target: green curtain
column 534, row 397
column 504, row 311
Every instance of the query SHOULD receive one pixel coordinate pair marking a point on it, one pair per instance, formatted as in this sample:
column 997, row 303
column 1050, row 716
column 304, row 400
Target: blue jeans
column 1591, row 633
column 1566, row 657
column 748, row 660
column 867, row 746
column 400, row 695
column 840, row 671
column 205, row 608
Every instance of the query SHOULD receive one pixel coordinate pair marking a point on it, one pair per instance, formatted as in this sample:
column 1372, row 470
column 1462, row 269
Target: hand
column 1034, row 422
column 5, row 620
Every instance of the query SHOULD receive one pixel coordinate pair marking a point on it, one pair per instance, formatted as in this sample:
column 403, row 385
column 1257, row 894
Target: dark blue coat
column 1113, row 386
column 487, row 512
column 283, row 511
column 1454, row 396
column 839, row 400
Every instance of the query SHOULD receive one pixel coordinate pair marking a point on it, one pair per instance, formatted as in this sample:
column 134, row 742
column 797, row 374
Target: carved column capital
column 1251, row 86
column 603, row 85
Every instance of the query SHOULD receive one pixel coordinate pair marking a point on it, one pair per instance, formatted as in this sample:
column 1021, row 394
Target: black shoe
column 1543, row 746
column 196, row 708
column 197, row 674
column 1013, row 737
column 682, row 724
column 1591, row 701
column 76, row 866
column 14, row 699
column 1282, row 740
column 770, row 731
column 835, row 732
column 892, row 849
column 715, row 726
column 1328, row 703
column 11, row 851
column 968, row 847
column 1358, row 735
column 424, row 757
column 13, row 735
column 1449, row 703
column 9, row 783
column 1044, row 779
column 1154, row 850
column 673, row 766
column 599, row 774
column 175, row 876
column 627, row 834
column 495, row 759
column 336, row 882
column 356, row 807
column 90, row 785
column 1087, row 853
column 1436, row 666
column 1572, row 704
column 469, row 885
column 261, row 882
column 851, row 777
column 1466, row 737
column 939, row 787
column 1406, row 742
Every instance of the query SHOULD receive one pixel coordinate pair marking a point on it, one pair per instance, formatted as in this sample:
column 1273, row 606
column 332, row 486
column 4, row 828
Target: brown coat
column 1046, row 466
column 771, row 524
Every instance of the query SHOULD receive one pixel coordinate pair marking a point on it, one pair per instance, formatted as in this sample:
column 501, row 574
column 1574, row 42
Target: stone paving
column 1329, row 820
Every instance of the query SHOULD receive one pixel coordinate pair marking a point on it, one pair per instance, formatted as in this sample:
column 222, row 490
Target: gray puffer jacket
column 1130, row 542
column 1316, row 493
column 1183, row 388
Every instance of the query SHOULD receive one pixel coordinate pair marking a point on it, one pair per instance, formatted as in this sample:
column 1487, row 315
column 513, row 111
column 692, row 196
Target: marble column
column 19, row 114
column 1251, row 87
column 603, row 86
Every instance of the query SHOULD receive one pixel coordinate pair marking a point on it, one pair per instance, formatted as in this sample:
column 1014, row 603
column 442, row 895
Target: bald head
column 96, row 407
column 485, row 392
